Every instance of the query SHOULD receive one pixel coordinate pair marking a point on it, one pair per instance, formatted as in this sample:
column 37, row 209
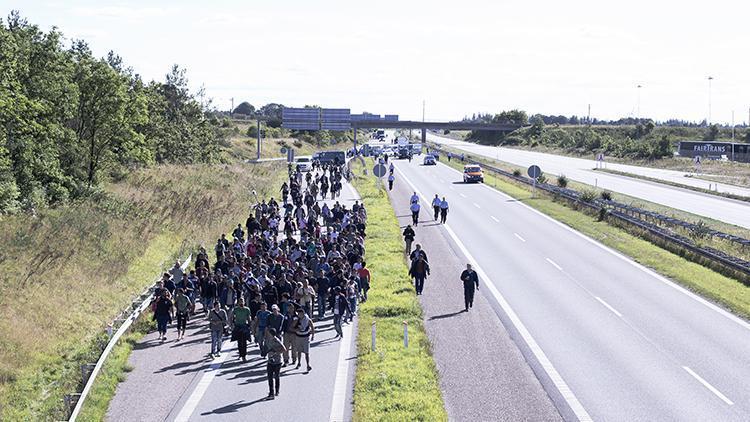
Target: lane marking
column 559, row 383
column 462, row 195
column 608, row 306
column 450, row 187
column 630, row 261
column 338, row 405
column 195, row 397
column 709, row 386
column 477, row 205
column 495, row 218
column 519, row 237
column 554, row 264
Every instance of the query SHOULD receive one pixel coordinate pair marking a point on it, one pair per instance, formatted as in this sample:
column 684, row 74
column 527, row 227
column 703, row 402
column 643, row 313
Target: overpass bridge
column 424, row 126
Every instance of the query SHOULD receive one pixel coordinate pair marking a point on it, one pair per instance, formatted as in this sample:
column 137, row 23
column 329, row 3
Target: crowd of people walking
column 292, row 259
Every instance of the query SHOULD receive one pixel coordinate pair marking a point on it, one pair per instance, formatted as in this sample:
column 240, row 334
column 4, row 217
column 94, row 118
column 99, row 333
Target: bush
column 562, row 181
column 517, row 173
column 587, row 195
column 541, row 179
column 606, row 195
column 699, row 230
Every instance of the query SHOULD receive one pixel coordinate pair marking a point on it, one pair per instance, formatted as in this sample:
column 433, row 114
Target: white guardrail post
column 114, row 338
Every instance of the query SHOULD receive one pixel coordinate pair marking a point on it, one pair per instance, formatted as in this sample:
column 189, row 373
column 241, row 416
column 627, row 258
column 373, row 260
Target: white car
column 304, row 162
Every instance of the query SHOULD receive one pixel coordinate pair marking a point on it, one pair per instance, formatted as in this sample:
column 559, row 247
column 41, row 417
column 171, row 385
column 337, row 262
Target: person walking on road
column 217, row 320
column 419, row 270
column 260, row 322
column 408, row 238
column 390, row 181
column 340, row 305
column 443, row 210
column 304, row 330
column 183, row 305
column 163, row 313
column 287, row 334
column 417, row 252
column 414, row 198
column 436, row 207
column 415, row 213
column 241, row 331
column 276, row 350
column 471, row 283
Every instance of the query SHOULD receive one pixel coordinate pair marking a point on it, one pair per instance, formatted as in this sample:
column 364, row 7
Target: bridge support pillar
column 424, row 135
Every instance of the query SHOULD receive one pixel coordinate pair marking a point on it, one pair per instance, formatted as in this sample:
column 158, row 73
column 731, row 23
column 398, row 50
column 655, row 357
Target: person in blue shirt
column 436, row 207
column 260, row 322
column 443, row 210
column 415, row 213
column 390, row 181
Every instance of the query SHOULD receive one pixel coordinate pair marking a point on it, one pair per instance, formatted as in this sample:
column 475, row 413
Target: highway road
column 609, row 339
column 715, row 207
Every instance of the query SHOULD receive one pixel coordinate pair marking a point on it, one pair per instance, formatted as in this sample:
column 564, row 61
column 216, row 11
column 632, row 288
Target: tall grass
column 393, row 383
column 68, row 271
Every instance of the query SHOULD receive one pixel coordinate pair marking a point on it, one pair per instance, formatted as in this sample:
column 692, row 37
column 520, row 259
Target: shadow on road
column 443, row 316
column 234, row 407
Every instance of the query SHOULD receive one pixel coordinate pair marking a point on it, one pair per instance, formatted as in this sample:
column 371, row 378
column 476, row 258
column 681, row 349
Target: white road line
column 559, row 383
column 495, row 218
column 450, row 187
column 477, row 205
column 630, row 261
column 554, row 264
column 192, row 402
column 608, row 306
column 709, row 386
column 338, row 405
column 519, row 237
column 462, row 195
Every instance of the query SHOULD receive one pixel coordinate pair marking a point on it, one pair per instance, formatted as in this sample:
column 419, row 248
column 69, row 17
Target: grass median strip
column 727, row 291
column 392, row 382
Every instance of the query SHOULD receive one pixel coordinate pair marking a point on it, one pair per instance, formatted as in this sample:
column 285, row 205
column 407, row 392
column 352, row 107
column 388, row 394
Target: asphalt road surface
column 609, row 339
column 718, row 208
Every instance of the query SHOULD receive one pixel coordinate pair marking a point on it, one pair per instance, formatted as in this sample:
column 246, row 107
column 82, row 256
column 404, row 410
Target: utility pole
column 638, row 109
column 231, row 110
column 423, row 111
column 710, row 78
column 588, row 116
column 732, row 125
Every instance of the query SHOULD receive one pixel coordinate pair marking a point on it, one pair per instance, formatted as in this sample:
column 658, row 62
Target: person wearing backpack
column 217, row 320
column 276, row 350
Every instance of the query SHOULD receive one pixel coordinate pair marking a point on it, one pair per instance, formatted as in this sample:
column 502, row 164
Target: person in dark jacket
column 270, row 294
column 471, row 283
column 419, row 270
column 408, row 238
column 340, row 305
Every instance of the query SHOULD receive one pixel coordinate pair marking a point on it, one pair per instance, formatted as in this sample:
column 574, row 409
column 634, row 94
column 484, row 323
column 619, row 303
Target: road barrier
column 126, row 318
column 639, row 218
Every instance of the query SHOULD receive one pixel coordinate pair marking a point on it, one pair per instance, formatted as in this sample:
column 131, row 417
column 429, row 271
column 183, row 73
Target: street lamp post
column 710, row 78
column 638, row 109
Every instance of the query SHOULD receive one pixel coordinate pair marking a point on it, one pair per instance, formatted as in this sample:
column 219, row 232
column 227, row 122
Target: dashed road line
column 608, row 306
column 519, row 237
column 462, row 195
column 709, row 386
column 477, row 205
column 554, row 264
column 495, row 218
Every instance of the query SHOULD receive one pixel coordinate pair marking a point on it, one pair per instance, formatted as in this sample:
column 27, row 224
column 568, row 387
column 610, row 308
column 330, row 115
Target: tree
column 244, row 108
column 711, row 133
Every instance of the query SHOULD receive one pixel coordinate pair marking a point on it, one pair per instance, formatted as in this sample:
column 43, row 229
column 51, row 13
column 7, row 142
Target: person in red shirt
column 364, row 280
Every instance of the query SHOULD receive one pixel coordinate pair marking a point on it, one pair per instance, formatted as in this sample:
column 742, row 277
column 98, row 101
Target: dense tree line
column 68, row 118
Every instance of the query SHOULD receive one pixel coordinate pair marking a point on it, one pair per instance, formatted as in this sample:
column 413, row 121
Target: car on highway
column 304, row 162
column 473, row 174
column 429, row 160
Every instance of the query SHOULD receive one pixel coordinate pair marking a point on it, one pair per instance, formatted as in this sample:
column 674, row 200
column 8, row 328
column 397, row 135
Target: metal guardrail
column 626, row 213
column 138, row 309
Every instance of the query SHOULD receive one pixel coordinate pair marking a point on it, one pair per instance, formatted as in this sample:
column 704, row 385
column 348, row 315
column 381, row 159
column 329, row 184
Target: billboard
column 335, row 119
column 300, row 118
column 715, row 150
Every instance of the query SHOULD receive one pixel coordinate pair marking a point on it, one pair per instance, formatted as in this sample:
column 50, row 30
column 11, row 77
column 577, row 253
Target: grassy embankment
column 392, row 382
column 70, row 270
column 726, row 291
column 677, row 185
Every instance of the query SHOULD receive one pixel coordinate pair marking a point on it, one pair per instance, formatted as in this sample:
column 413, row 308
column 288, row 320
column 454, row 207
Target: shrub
column 517, row 173
column 606, row 195
column 297, row 143
column 587, row 195
column 699, row 230
column 541, row 179
column 562, row 181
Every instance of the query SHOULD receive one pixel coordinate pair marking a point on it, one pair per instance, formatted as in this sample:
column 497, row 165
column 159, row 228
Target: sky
column 459, row 57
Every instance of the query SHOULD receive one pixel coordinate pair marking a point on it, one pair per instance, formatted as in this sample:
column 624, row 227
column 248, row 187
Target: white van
column 304, row 162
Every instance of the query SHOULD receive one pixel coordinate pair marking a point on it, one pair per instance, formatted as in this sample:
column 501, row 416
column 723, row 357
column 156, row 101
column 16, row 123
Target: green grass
column 393, row 383
column 724, row 290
